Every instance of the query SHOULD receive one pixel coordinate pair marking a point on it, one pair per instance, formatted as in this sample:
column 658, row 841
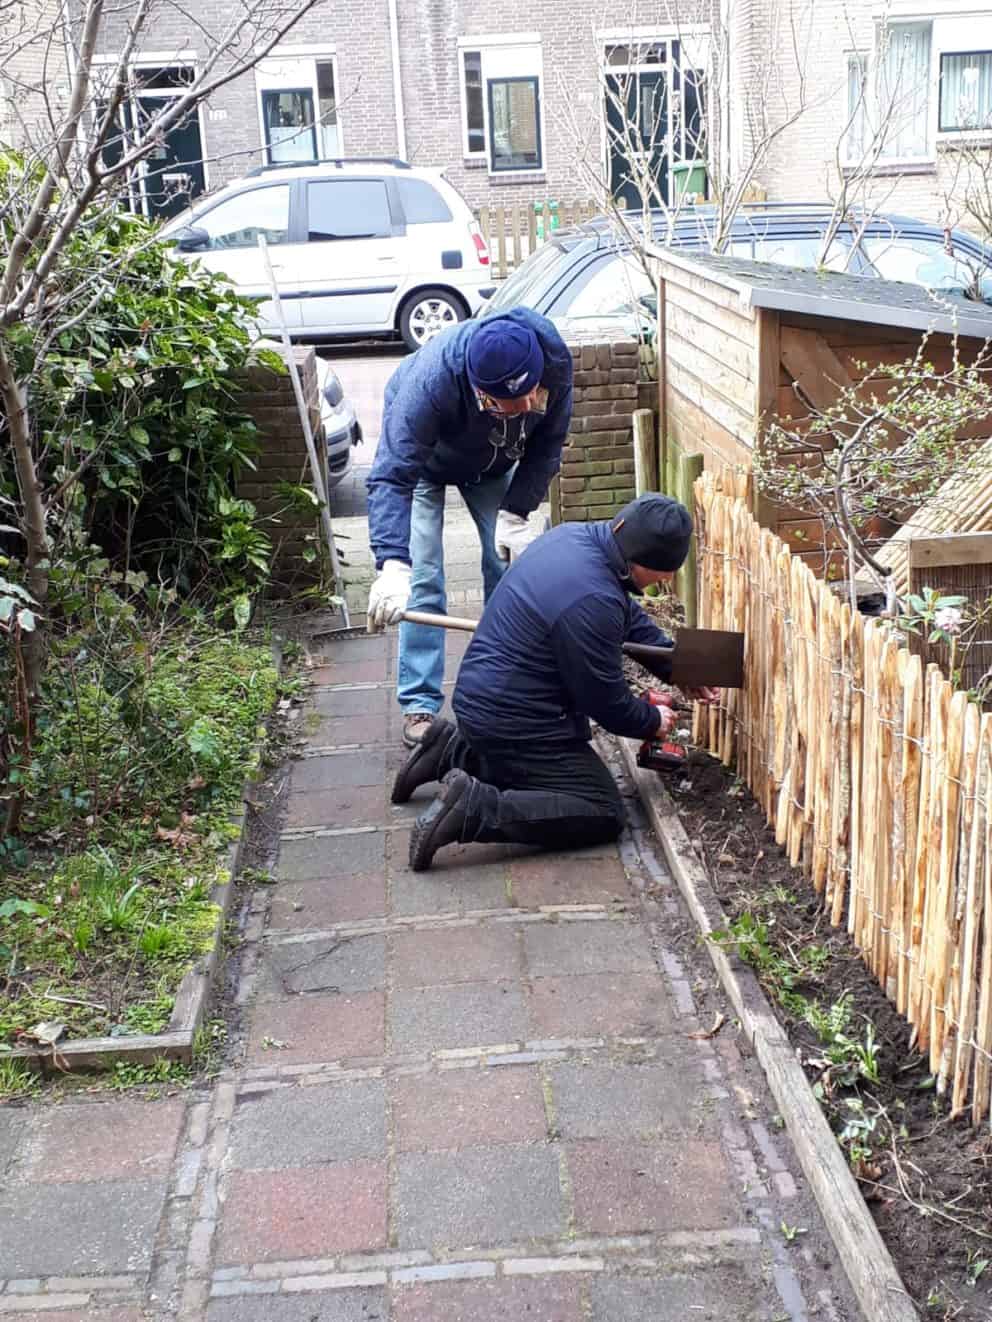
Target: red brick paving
column 318, row 1028
column 625, row 1188
column 543, row 880
column 464, row 1107
column 310, row 1213
column 316, row 905
column 105, row 1141
column 455, row 954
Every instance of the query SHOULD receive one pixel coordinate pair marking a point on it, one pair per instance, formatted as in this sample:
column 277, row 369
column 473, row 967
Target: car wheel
column 427, row 313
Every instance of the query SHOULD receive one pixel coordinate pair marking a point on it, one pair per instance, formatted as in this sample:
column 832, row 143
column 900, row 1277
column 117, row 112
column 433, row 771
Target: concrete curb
column 873, row 1276
column 192, row 997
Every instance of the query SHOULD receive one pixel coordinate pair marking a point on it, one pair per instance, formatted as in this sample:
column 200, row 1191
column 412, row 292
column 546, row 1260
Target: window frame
column 883, row 159
column 490, row 84
column 953, row 134
column 198, row 217
column 468, row 153
column 864, row 60
column 531, row 49
column 302, row 77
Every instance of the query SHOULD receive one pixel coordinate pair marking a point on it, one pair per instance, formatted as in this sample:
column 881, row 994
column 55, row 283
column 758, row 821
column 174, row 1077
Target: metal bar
column 440, row 621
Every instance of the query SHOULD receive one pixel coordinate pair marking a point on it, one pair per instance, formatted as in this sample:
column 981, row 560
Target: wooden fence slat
column 967, row 975
column 908, row 801
column 500, row 218
column 515, row 233
column 983, row 1026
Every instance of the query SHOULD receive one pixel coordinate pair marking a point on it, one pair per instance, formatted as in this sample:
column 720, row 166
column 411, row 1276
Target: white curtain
column 966, row 92
column 904, row 89
column 857, row 108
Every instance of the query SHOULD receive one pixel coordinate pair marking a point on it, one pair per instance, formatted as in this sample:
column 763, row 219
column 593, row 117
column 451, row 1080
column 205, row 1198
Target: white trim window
column 501, row 85
column 856, row 135
column 298, row 106
column 965, row 104
column 903, row 92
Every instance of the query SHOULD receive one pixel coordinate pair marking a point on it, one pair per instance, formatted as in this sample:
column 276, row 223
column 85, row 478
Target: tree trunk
column 15, row 407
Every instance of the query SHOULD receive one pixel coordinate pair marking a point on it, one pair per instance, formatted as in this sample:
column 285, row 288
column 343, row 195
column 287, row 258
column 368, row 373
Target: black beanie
column 654, row 531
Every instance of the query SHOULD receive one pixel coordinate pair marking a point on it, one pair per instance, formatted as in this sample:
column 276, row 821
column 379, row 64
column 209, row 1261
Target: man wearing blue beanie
column 483, row 407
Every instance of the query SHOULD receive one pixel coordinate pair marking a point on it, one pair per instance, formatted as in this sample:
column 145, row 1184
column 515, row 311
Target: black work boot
column 443, row 821
column 421, row 766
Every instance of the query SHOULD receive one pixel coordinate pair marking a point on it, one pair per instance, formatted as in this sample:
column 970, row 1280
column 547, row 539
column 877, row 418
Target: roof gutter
column 394, row 47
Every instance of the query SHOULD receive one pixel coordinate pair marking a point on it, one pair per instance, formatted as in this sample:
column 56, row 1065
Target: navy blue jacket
column 546, row 655
column 433, row 428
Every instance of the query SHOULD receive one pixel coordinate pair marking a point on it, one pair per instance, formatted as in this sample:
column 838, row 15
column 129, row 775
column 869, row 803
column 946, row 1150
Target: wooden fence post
column 690, row 467
column 500, row 217
column 515, row 233
column 645, row 451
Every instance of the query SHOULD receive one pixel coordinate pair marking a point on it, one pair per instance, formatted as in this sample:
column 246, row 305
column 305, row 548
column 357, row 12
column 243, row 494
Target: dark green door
column 637, row 136
column 174, row 171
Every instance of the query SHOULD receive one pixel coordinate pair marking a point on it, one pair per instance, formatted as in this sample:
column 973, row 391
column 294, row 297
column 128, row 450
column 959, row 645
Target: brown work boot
column 443, row 821
column 415, row 726
column 423, row 764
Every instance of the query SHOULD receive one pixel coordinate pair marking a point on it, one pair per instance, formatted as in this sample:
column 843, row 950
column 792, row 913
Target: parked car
column 359, row 248
column 588, row 273
column 342, row 430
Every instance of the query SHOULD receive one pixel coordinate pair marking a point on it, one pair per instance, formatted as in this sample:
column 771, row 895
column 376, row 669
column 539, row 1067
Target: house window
column 298, row 108
column 856, row 136
column 903, row 87
column 501, row 101
column 965, row 91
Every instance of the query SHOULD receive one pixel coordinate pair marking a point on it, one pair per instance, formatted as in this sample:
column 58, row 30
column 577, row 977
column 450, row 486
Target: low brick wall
column 597, row 470
column 269, row 399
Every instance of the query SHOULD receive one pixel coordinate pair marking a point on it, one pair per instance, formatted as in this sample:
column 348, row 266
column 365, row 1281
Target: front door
column 637, row 131
column 172, row 175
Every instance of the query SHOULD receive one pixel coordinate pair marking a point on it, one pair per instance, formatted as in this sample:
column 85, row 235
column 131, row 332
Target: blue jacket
column 546, row 655
column 433, row 428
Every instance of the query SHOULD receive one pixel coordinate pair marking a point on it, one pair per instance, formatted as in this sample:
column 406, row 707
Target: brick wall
column 597, row 470
column 268, row 397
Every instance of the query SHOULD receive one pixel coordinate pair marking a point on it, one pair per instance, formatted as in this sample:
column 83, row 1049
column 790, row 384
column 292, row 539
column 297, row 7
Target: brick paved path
column 467, row 1094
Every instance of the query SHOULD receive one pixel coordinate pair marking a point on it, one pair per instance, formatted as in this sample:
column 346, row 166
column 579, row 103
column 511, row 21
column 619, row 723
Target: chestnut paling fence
column 876, row 775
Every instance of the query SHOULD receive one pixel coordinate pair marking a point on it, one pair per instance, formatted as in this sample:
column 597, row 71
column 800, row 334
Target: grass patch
column 139, row 761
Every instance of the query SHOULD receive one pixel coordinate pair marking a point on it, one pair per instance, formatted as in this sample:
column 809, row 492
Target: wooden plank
column 713, row 341
column 952, row 549
column 515, row 232
column 499, row 218
column 767, row 353
column 645, row 451
column 863, row 1254
column 722, row 393
column 815, row 368
column 685, row 580
column 531, row 230
column 662, row 359
column 690, row 427
column 712, row 291
column 733, row 323
column 839, row 331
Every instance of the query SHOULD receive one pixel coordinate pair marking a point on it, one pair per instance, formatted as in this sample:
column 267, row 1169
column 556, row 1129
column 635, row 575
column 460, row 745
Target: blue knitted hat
column 504, row 358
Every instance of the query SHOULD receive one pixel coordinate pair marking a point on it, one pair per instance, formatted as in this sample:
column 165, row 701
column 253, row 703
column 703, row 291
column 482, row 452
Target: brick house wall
column 32, row 58
column 597, row 469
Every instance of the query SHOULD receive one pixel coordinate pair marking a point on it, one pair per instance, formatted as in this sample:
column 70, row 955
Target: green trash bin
column 554, row 219
column 689, row 177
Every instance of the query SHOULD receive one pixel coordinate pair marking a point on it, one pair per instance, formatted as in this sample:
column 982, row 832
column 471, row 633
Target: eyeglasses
column 538, row 403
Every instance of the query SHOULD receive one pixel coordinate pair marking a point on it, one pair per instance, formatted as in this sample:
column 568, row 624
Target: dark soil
column 926, row 1178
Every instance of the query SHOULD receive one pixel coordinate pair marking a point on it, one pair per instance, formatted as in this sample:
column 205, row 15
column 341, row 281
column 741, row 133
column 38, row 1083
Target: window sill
column 474, row 162
column 965, row 142
column 892, row 170
column 517, row 177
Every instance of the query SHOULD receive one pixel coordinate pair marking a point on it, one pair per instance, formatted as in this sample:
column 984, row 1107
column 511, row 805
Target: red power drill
column 658, row 754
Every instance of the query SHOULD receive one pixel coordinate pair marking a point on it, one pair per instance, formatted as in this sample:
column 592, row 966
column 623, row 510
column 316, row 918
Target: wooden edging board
column 192, row 998
column 866, row 1260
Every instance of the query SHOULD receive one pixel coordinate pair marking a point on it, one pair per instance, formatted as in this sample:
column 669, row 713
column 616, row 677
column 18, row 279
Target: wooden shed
column 741, row 343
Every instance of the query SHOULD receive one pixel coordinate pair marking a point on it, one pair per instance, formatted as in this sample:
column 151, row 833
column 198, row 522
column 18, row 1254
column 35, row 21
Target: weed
column 156, row 940
column 791, row 1233
column 976, row 1266
column 847, row 1058
column 17, row 1079
column 151, row 1016
column 751, row 936
column 161, row 1070
column 208, row 1046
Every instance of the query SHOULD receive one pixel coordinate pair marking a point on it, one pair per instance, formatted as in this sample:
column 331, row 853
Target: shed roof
column 832, row 294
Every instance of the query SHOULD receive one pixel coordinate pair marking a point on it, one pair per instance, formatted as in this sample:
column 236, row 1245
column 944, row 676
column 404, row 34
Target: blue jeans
column 421, row 656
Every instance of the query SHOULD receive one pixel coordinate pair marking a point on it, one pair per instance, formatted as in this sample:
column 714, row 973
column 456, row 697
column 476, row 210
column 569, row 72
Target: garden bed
column 926, row 1178
column 113, row 902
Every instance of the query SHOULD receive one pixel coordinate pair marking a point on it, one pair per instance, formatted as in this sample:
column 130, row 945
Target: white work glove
column 514, row 534
column 388, row 595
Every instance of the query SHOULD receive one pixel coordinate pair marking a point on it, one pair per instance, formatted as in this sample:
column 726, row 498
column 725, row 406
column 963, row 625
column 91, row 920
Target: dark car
column 589, row 273
column 342, row 429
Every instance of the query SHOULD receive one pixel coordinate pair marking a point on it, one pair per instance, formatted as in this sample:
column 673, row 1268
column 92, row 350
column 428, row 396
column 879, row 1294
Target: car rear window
column 422, row 203
column 536, row 273
column 347, row 209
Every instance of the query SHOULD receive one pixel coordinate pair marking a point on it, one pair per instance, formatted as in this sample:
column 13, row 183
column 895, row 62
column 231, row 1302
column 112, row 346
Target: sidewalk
column 472, row 1093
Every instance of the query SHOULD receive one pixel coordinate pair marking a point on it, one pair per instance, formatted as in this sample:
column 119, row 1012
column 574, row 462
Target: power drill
column 658, row 754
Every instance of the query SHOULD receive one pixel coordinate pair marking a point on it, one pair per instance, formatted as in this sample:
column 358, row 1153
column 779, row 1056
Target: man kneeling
column 545, row 660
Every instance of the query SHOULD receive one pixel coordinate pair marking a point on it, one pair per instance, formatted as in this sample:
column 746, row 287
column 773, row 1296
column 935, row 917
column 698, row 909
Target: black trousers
column 555, row 795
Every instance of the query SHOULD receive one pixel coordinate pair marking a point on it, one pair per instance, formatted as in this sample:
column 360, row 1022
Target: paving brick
column 351, row 702
column 722, row 1293
column 318, row 905
column 549, row 1300
column 347, row 805
column 332, row 1306
column 106, row 1141
column 477, row 1196
column 594, row 1004
column 682, row 1184
column 327, row 964
column 372, row 671
column 75, row 1315
column 473, row 1014
column 316, row 857
column 304, row 1127
column 102, row 1229
column 13, row 1127
column 286, row 1214
column 644, row 1102
column 362, row 767
column 455, row 954
column 318, row 1028
column 549, row 880
column 335, row 731
column 436, row 892
column 556, row 949
column 466, row 1107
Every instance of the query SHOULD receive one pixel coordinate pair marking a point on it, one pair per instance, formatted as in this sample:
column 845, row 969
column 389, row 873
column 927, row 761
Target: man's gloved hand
column 389, row 594
column 514, row 534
